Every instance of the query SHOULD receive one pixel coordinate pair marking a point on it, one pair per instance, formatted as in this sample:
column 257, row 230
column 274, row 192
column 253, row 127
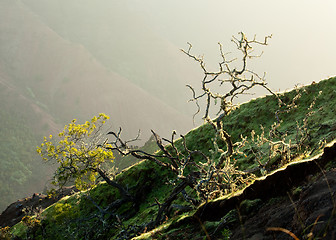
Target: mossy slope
column 77, row 217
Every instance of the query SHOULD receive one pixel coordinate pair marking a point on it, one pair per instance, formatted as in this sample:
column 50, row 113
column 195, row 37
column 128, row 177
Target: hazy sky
column 302, row 49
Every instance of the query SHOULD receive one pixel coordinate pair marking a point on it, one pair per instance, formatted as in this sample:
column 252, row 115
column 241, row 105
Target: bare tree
column 240, row 81
column 198, row 176
column 212, row 175
column 215, row 174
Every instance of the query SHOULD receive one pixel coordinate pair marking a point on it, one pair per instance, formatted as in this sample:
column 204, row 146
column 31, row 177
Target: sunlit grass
column 249, row 116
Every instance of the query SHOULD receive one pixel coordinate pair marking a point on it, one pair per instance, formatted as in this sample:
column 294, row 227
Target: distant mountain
column 115, row 34
column 68, row 81
column 47, row 78
column 22, row 126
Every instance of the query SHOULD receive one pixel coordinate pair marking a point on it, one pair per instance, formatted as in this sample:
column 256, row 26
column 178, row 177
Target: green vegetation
column 237, row 160
column 86, row 215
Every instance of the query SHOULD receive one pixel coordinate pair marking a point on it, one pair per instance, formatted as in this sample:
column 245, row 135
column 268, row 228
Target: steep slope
column 80, row 216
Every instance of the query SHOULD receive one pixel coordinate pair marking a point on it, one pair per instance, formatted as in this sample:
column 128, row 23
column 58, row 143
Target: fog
column 302, row 48
column 140, row 40
column 66, row 59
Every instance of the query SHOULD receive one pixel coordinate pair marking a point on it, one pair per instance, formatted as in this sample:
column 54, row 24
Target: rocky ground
column 307, row 211
column 31, row 206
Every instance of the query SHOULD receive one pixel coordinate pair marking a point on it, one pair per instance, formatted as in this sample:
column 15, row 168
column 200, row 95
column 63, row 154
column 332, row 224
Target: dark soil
column 309, row 212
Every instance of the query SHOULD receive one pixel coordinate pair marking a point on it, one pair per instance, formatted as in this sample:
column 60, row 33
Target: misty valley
column 112, row 129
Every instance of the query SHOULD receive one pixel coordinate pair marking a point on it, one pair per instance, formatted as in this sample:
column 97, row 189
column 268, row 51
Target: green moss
column 296, row 192
column 150, row 183
column 231, row 217
column 19, row 230
column 226, row 234
column 61, row 211
column 250, row 206
column 103, row 194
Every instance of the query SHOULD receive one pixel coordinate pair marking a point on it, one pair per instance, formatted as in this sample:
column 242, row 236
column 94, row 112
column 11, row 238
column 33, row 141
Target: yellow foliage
column 79, row 151
column 5, row 233
column 30, row 221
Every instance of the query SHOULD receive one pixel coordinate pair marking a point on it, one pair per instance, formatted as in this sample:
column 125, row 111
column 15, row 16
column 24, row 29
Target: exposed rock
column 298, row 199
column 31, row 205
column 313, row 213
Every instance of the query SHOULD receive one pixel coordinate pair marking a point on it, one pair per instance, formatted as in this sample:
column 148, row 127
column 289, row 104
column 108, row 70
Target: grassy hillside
column 89, row 215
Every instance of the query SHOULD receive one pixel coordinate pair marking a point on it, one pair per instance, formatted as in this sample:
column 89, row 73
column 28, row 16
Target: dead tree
column 211, row 176
column 216, row 174
column 174, row 159
column 237, row 81
column 240, row 81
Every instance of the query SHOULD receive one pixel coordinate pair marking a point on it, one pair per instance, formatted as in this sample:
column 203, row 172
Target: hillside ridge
column 151, row 184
